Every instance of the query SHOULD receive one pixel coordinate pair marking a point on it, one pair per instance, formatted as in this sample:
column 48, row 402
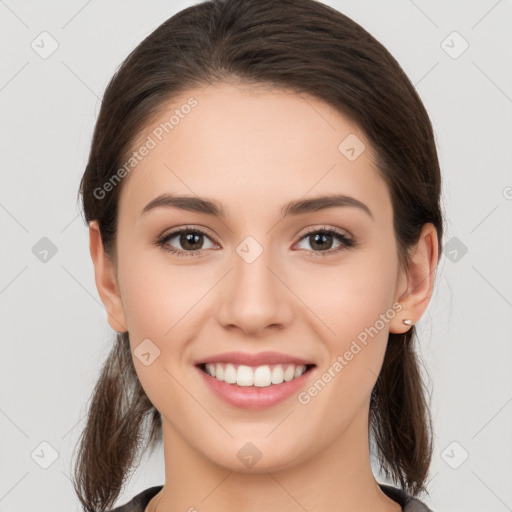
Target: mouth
column 268, row 375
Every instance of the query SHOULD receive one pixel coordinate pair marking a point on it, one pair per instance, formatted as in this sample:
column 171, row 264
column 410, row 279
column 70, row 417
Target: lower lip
column 253, row 397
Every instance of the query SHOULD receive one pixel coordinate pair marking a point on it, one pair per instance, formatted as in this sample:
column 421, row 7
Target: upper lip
column 258, row 359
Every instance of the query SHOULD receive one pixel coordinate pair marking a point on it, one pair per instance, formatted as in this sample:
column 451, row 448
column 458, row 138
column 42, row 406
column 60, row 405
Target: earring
column 407, row 322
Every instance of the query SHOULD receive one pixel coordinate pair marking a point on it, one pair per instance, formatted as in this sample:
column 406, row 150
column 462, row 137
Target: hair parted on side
column 306, row 47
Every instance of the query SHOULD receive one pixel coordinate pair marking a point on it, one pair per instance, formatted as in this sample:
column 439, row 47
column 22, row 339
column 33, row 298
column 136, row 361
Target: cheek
column 353, row 302
column 160, row 301
column 350, row 296
column 158, row 296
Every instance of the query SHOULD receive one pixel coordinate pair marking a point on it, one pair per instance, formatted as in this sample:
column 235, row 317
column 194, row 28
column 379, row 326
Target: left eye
column 321, row 240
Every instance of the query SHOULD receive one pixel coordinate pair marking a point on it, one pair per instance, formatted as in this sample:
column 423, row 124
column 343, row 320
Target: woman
column 263, row 202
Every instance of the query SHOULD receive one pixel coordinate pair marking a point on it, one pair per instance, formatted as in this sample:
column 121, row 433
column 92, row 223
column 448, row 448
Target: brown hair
column 302, row 46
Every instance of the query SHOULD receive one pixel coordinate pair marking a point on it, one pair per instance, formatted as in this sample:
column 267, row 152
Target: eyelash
column 346, row 242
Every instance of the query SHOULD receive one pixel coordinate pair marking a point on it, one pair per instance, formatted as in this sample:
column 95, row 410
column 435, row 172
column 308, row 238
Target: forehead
column 249, row 146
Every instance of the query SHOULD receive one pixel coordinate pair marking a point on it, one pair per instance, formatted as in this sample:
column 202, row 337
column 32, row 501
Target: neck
column 338, row 478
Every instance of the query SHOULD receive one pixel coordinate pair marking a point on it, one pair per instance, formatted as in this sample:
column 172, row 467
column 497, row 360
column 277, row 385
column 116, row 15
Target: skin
column 253, row 149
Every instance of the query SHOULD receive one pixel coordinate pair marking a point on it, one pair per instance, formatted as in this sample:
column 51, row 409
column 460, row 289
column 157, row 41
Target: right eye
column 187, row 238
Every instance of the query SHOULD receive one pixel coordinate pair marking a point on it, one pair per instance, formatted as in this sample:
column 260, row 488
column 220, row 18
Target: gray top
column 407, row 502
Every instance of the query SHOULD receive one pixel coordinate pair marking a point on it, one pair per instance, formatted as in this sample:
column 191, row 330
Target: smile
column 258, row 376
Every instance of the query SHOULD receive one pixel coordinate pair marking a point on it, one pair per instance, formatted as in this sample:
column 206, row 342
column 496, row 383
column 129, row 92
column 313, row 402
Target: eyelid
column 323, row 227
column 196, row 227
column 171, row 233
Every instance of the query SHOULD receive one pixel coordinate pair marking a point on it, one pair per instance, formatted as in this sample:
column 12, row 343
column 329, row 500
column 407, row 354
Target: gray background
column 53, row 327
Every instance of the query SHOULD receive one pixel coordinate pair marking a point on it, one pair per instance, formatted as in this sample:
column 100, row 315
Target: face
column 317, row 284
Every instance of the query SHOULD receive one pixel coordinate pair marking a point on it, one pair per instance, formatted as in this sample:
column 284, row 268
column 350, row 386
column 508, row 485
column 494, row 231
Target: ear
column 106, row 280
column 416, row 282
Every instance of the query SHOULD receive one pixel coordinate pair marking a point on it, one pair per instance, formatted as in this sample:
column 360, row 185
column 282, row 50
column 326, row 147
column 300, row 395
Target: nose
column 254, row 297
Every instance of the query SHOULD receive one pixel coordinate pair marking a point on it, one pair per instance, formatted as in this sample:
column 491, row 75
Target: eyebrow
column 211, row 207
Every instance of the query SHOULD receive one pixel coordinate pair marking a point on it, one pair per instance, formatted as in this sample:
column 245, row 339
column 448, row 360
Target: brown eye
column 189, row 241
column 321, row 241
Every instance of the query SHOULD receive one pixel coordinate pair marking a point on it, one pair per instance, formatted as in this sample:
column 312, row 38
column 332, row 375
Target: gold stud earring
column 407, row 322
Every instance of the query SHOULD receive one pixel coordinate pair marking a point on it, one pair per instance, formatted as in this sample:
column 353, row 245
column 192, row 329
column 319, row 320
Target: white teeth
column 261, row 376
column 210, row 368
column 230, row 374
column 289, row 373
column 245, row 376
column 277, row 375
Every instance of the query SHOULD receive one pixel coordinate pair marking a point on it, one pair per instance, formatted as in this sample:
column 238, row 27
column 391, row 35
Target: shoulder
column 139, row 502
column 407, row 502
